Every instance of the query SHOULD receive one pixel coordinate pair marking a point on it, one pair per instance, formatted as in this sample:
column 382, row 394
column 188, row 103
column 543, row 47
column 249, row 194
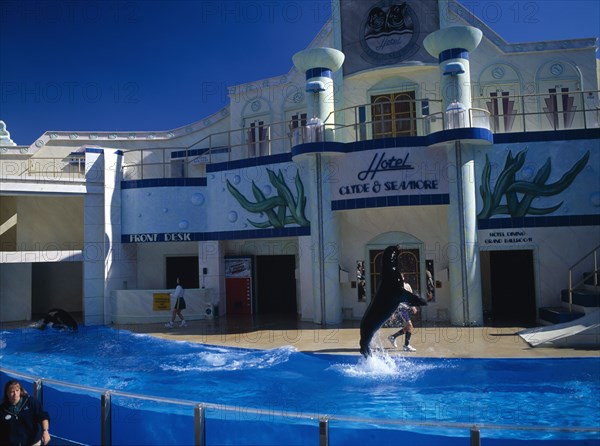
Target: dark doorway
column 512, row 287
column 56, row 285
column 276, row 285
column 186, row 268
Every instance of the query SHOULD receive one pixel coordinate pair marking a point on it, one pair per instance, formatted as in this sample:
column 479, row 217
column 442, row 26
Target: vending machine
column 238, row 284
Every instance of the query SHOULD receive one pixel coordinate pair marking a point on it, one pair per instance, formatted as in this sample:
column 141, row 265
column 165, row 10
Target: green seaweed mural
column 275, row 208
column 520, row 194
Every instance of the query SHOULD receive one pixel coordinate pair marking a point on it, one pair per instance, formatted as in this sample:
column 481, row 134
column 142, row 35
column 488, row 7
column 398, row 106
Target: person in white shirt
column 179, row 306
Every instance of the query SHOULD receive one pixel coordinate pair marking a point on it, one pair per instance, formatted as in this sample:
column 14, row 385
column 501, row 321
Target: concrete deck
column 430, row 341
column 267, row 332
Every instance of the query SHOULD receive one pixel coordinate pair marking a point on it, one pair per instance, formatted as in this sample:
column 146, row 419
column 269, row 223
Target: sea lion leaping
column 389, row 295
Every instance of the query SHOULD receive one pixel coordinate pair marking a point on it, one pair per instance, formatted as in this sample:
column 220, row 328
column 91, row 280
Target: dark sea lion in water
column 58, row 319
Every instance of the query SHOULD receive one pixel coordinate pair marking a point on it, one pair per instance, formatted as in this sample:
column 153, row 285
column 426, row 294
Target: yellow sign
column 161, row 302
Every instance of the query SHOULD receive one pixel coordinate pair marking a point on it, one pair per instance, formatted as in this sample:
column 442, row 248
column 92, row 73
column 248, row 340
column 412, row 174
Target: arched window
column 500, row 94
column 256, row 119
column 411, row 260
column 394, row 114
column 561, row 101
column 408, row 263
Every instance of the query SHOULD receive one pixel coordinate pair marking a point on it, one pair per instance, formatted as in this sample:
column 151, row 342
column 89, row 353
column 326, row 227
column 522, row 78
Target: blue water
column 523, row 392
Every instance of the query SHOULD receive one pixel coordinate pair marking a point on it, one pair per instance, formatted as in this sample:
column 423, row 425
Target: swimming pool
column 544, row 393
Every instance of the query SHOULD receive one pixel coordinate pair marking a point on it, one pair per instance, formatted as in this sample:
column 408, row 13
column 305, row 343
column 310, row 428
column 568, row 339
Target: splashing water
column 381, row 366
column 551, row 392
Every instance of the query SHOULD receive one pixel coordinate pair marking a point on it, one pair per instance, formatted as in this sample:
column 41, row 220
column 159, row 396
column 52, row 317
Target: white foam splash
column 380, row 365
column 223, row 360
column 374, row 366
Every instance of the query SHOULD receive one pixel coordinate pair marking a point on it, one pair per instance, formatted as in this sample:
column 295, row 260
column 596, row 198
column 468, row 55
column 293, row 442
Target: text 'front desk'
column 151, row 306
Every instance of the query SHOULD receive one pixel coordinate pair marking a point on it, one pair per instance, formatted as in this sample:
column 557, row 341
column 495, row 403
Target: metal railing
column 42, row 169
column 524, row 113
column 200, row 420
column 225, row 146
column 501, row 113
column 594, row 274
column 561, row 110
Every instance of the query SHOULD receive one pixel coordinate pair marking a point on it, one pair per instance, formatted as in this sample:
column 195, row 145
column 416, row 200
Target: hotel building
column 403, row 122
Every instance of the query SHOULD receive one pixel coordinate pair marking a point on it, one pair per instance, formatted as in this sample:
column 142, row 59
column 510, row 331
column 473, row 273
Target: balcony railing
column 189, row 162
column 561, row 110
column 42, row 169
column 499, row 112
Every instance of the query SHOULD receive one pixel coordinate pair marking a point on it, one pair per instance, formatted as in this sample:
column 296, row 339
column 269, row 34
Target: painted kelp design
column 520, row 194
column 280, row 210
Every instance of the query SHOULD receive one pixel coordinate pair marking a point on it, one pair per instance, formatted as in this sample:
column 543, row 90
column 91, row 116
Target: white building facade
column 408, row 123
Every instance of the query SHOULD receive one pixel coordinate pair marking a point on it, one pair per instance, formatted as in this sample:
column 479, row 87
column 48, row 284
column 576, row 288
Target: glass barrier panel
column 246, row 426
column 74, row 413
column 148, row 422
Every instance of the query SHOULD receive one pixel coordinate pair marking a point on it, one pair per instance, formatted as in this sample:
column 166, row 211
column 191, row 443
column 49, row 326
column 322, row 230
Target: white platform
column 136, row 306
column 584, row 331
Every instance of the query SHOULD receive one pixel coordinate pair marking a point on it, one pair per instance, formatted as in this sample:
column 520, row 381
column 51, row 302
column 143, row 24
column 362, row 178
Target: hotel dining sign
column 387, row 172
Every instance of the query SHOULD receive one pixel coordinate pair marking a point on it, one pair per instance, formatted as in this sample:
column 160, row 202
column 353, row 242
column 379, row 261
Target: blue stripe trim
column 249, row 162
column 318, row 72
column 453, row 53
column 359, row 146
column 93, row 150
column 222, row 235
column 463, row 133
column 163, row 182
column 540, row 222
column 547, row 135
column 389, row 201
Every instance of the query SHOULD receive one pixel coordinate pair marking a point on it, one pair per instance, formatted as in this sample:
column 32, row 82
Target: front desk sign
column 161, row 302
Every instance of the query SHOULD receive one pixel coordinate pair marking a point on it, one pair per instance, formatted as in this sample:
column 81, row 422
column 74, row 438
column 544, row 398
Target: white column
column 452, row 45
column 93, row 239
column 308, row 302
column 319, row 65
column 324, row 245
column 120, row 267
column 211, row 257
column 464, row 267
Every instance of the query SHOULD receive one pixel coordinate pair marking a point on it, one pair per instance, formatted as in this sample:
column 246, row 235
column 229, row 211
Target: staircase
column 580, row 298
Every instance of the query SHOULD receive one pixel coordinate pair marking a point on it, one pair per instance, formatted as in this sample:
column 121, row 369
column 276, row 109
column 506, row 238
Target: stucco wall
column 8, row 221
column 15, row 292
column 49, row 223
column 426, row 223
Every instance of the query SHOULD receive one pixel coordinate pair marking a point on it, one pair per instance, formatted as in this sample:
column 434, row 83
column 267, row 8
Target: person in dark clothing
column 23, row 421
column 403, row 316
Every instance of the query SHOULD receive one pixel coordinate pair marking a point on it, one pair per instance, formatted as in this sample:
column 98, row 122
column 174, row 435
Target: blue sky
column 128, row 65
